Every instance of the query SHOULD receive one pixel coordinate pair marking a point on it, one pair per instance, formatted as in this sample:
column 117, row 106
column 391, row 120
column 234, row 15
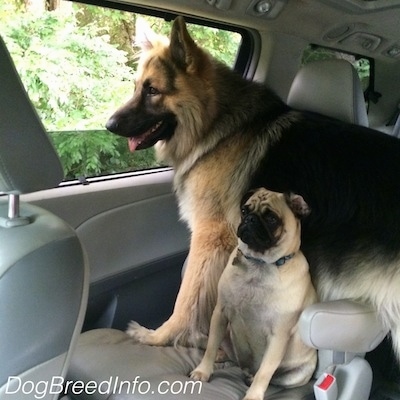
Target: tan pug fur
column 261, row 300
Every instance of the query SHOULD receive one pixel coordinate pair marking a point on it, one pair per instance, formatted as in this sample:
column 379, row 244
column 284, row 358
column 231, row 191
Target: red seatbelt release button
column 326, row 387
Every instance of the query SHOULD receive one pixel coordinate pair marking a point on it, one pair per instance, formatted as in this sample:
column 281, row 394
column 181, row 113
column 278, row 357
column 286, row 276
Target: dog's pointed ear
column 297, row 204
column 184, row 51
column 145, row 37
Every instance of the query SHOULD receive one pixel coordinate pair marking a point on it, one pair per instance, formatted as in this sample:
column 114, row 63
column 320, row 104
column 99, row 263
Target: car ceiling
column 369, row 28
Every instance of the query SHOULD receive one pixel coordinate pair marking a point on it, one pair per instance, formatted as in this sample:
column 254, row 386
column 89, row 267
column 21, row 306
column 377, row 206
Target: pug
column 261, row 294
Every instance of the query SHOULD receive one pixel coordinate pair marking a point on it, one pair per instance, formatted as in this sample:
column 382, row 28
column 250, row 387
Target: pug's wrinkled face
column 268, row 219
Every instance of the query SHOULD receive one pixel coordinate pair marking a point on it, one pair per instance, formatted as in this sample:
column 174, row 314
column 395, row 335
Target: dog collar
column 281, row 261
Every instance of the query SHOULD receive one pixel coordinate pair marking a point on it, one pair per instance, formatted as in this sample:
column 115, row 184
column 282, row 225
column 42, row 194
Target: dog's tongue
column 133, row 143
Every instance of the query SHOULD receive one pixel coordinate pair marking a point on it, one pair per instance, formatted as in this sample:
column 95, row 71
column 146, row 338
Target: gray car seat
column 330, row 87
column 43, row 269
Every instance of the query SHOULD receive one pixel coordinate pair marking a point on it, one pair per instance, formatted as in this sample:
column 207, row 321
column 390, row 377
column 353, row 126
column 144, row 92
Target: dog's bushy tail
column 389, row 312
column 395, row 339
column 385, row 297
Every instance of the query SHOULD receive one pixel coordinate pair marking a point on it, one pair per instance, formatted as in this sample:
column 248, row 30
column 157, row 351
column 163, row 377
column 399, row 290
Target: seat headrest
column 332, row 88
column 28, row 161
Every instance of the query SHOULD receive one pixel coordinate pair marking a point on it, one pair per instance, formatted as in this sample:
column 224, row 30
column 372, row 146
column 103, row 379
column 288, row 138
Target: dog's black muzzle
column 255, row 233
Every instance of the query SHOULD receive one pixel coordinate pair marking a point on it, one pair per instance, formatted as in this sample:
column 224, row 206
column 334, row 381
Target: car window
column 77, row 62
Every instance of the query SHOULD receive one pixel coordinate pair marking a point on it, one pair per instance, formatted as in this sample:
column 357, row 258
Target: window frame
column 247, row 52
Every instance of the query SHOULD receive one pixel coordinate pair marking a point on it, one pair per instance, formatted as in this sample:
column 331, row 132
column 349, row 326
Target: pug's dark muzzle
column 255, row 233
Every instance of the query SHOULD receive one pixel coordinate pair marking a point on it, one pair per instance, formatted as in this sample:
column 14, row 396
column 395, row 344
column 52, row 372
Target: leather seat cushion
column 109, row 355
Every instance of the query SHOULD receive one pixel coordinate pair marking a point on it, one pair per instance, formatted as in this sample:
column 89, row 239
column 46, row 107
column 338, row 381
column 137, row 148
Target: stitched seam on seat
column 6, row 176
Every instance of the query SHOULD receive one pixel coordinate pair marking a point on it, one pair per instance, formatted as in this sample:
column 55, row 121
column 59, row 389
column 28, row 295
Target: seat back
column 43, row 268
column 338, row 329
column 329, row 87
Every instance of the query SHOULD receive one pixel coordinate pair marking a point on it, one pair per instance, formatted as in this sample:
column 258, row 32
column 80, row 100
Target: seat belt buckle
column 326, row 387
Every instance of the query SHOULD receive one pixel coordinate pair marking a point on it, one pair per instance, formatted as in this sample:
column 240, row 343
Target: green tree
column 73, row 75
column 75, row 79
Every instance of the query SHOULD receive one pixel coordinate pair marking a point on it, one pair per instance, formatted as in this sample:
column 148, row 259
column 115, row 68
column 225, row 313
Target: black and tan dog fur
column 224, row 135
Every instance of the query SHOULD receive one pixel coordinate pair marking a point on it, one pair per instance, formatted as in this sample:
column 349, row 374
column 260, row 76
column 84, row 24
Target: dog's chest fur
column 246, row 294
column 255, row 299
column 212, row 188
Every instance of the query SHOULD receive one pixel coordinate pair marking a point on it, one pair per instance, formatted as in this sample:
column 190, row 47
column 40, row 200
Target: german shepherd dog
column 225, row 135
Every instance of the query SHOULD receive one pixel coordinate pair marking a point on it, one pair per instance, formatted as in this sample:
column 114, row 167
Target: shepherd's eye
column 152, row 91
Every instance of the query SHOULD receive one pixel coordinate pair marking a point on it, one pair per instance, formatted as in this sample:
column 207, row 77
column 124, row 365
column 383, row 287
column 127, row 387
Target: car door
column 134, row 240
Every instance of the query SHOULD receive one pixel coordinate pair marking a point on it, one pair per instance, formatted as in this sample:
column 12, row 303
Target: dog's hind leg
column 212, row 242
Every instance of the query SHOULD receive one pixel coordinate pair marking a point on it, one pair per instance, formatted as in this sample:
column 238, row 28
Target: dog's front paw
column 254, row 393
column 139, row 332
column 253, row 398
column 200, row 375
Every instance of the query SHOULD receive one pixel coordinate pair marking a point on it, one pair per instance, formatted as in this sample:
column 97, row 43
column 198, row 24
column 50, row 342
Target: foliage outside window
column 77, row 63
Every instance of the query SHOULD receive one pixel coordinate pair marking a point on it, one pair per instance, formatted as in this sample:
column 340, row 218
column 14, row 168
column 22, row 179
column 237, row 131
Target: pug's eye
column 244, row 210
column 271, row 219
